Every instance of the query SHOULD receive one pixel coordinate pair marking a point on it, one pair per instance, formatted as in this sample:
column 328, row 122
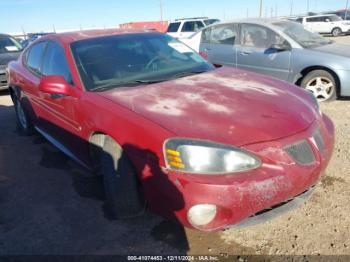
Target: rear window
column 173, row 27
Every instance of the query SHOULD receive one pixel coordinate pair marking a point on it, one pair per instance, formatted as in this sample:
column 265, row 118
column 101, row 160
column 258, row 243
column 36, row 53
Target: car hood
column 5, row 58
column 335, row 49
column 226, row 105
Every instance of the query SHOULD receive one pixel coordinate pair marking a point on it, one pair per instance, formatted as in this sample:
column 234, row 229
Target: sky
column 46, row 15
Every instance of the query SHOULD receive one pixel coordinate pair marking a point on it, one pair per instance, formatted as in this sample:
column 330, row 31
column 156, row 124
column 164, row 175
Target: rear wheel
column 336, row 32
column 122, row 189
column 322, row 84
column 24, row 124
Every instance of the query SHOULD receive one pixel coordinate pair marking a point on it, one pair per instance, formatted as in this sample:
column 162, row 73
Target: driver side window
column 55, row 62
column 260, row 37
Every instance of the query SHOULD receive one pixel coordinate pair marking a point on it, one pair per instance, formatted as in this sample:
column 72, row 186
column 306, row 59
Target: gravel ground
column 49, row 205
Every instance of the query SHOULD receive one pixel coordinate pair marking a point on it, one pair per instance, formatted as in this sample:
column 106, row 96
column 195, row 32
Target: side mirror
column 281, row 47
column 56, row 85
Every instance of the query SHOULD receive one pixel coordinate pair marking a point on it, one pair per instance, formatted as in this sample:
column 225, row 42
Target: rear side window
column 173, row 27
column 34, row 57
column 224, row 34
column 55, row 63
column 193, row 26
column 205, row 38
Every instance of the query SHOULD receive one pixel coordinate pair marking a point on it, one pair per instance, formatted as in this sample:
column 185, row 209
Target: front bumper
column 241, row 196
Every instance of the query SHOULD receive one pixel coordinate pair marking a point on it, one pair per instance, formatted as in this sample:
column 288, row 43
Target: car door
column 260, row 51
column 30, row 79
column 324, row 25
column 60, row 119
column 223, row 39
column 173, row 29
column 205, row 46
column 310, row 24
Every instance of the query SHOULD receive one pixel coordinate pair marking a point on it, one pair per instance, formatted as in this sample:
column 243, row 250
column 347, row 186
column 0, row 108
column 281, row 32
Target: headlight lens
column 202, row 157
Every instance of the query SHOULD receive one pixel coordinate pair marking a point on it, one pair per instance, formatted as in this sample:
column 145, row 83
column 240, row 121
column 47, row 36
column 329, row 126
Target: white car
column 325, row 24
column 183, row 28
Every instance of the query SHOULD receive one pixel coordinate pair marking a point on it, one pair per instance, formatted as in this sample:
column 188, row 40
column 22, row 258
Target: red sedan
column 210, row 148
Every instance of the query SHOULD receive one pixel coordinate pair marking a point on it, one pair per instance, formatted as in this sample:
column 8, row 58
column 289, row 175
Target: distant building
column 160, row 26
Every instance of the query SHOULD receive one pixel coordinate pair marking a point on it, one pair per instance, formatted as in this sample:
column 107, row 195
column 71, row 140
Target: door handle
column 246, row 52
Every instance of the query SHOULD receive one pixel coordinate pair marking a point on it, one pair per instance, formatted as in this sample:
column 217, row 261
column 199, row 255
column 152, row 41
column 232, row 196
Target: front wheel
column 122, row 189
column 336, row 32
column 322, row 84
column 24, row 124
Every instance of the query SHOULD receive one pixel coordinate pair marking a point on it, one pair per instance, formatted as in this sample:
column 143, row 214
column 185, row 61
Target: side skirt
column 61, row 147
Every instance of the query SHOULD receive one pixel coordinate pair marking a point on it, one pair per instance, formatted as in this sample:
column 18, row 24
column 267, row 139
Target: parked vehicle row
column 9, row 51
column 281, row 49
column 183, row 28
column 210, row 148
column 325, row 24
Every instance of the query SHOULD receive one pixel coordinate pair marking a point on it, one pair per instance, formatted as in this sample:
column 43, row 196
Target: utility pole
column 308, row 6
column 161, row 10
column 261, row 8
column 291, row 7
column 346, row 9
column 276, row 10
column 247, row 12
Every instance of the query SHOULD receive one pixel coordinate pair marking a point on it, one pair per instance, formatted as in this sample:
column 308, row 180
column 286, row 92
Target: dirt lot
column 49, row 205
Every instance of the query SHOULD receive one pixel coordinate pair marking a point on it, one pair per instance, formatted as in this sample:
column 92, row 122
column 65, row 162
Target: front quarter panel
column 307, row 58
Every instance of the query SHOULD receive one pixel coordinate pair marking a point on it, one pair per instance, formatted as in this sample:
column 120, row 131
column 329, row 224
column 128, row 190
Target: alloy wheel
column 322, row 88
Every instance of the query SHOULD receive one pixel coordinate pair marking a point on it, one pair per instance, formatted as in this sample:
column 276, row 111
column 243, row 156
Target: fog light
column 201, row 215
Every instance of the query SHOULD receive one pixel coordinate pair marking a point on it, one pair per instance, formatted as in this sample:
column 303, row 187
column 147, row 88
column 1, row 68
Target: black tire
column 24, row 124
column 326, row 76
column 122, row 189
column 336, row 32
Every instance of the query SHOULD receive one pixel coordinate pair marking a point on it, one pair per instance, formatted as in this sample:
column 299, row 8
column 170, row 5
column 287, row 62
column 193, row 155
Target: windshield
column 9, row 44
column 304, row 37
column 133, row 59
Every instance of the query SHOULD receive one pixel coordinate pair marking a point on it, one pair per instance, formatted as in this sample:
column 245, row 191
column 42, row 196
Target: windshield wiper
column 115, row 84
column 190, row 73
column 125, row 84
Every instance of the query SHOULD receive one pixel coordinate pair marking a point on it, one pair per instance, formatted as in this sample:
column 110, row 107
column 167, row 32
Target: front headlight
column 202, row 157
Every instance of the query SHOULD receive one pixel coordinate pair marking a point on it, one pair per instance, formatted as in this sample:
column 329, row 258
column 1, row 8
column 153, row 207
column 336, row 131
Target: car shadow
column 55, row 206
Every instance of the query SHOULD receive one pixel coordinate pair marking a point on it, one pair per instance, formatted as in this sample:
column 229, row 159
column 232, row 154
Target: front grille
column 301, row 153
column 3, row 80
column 319, row 140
